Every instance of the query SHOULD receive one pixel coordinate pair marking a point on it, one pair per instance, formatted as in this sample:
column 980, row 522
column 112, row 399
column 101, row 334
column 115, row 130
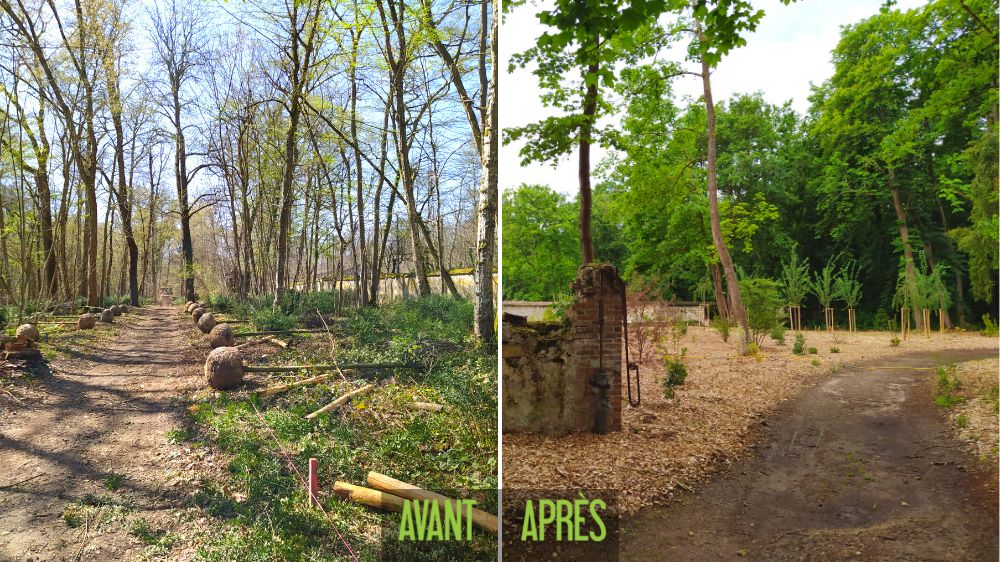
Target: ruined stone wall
column 548, row 368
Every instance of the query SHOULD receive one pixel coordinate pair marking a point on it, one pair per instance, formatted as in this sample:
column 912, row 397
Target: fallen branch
column 340, row 401
column 385, row 483
column 270, row 391
column 428, row 406
column 267, row 339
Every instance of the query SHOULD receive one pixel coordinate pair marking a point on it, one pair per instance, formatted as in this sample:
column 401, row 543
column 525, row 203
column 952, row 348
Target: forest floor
column 859, row 467
column 87, row 470
column 669, row 446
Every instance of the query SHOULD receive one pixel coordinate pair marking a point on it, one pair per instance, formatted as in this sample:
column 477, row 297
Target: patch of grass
column 180, row 435
column 834, row 349
column 894, row 342
column 722, row 326
column 152, row 537
column 962, row 421
column 813, row 351
column 947, row 385
column 815, row 363
column 993, row 398
column 114, row 481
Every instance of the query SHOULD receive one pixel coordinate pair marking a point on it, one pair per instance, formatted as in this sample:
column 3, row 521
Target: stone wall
column 549, row 369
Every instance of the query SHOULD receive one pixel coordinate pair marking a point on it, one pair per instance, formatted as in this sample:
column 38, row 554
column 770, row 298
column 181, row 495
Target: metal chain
column 629, row 365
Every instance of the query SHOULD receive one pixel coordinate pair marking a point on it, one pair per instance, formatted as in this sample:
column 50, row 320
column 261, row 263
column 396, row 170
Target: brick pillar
column 597, row 287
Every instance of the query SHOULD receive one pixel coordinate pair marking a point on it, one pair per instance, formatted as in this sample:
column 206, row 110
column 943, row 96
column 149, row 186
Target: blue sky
column 790, row 49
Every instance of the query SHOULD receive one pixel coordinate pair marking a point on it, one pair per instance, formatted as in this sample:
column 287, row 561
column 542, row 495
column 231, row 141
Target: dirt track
column 860, row 467
column 105, row 409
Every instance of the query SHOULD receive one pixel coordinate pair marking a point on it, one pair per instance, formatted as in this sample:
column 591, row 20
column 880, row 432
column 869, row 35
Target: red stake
column 313, row 483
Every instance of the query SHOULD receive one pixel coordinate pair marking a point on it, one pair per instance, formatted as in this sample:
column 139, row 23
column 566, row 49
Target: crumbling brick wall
column 548, row 369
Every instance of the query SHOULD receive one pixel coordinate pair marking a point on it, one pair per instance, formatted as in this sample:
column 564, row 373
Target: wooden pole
column 276, row 332
column 293, row 368
column 367, row 496
column 313, row 483
column 941, row 320
column 382, row 482
column 340, row 401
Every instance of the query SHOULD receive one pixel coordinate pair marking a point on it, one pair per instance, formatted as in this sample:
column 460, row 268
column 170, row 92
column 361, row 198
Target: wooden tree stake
column 313, row 483
column 385, row 483
column 367, row 496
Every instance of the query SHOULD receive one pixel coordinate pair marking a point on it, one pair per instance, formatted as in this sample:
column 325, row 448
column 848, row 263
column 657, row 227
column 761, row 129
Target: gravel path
column 105, row 411
column 859, row 467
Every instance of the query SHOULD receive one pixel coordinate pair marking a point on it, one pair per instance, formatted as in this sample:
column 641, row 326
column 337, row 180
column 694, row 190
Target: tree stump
column 206, row 322
column 224, row 368
column 27, row 332
column 221, row 336
column 86, row 322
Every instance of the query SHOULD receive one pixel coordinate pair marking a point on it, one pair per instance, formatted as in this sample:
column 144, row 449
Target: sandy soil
column 859, row 467
column 102, row 410
column 668, row 446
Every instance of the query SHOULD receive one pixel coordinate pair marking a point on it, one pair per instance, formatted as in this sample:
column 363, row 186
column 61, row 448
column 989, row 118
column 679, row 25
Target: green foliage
column 798, row 348
column 813, row 351
column 763, row 302
column 962, row 421
column 679, row 328
column 815, row 363
column 266, row 319
column 795, row 280
column 674, row 373
column 824, row 284
column 114, row 481
column 989, row 327
column 894, row 342
column 221, row 303
column 848, row 287
column 834, row 349
column 778, row 334
column 541, row 249
column 947, row 385
column 723, row 326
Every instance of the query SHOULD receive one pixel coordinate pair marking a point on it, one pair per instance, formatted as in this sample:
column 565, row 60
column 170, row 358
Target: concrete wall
column 533, row 311
column 396, row 288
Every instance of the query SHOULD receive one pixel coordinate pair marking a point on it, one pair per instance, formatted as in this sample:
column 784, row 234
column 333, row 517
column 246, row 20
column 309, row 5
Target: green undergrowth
column 947, row 387
column 260, row 504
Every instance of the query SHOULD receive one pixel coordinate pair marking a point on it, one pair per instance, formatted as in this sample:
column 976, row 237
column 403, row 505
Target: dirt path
column 106, row 410
column 861, row 467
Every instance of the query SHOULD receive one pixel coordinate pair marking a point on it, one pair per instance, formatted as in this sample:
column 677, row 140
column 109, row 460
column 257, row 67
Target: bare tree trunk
column 486, row 215
column 732, row 282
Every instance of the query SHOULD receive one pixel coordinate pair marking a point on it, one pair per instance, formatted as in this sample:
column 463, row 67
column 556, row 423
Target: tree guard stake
column 313, row 483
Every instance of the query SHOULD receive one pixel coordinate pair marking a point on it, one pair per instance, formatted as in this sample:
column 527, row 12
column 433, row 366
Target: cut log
column 367, row 496
column 404, row 490
column 429, row 406
column 26, row 353
column 340, row 401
